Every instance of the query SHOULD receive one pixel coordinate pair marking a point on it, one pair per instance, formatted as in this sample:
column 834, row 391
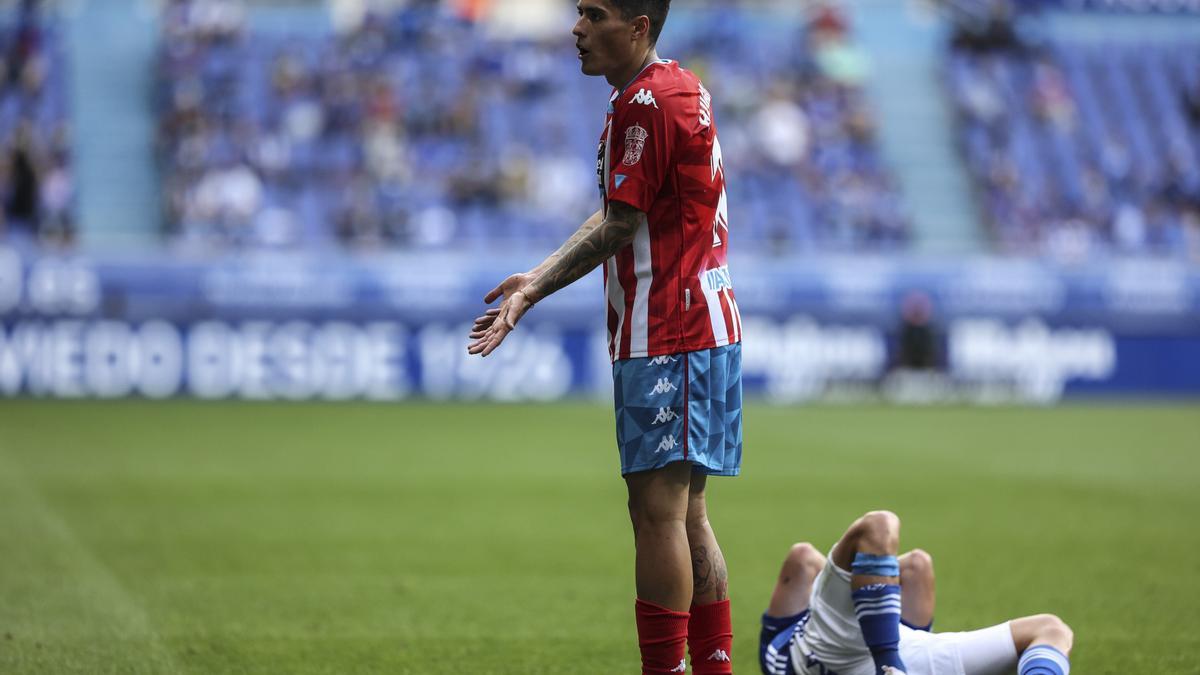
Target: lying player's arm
column 590, row 248
column 591, row 245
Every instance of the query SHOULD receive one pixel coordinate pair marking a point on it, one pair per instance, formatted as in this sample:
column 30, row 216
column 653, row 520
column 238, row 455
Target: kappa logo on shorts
column 681, row 668
column 661, row 360
column 635, row 143
column 667, row 444
column 664, row 415
column 662, row 386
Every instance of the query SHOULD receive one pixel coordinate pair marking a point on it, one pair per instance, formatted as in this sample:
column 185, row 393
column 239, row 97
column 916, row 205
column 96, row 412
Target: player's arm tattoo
column 594, row 221
column 591, row 249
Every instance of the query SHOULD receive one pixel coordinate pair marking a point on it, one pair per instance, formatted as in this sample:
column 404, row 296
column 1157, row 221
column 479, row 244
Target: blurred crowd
column 1080, row 148
column 420, row 128
column 36, row 184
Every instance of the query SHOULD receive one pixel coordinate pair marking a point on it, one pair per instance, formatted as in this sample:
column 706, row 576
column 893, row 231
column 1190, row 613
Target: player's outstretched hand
column 490, row 329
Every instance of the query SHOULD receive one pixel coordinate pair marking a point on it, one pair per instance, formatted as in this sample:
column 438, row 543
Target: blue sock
column 877, row 607
column 1043, row 660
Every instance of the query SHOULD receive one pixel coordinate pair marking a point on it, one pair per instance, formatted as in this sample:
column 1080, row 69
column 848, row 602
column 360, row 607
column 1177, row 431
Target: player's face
column 604, row 39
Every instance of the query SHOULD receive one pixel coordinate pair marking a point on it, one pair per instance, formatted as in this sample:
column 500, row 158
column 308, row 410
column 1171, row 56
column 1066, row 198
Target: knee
column 1043, row 629
column 1053, row 629
column 651, row 513
column 879, row 530
column 916, row 564
column 805, row 555
column 803, row 561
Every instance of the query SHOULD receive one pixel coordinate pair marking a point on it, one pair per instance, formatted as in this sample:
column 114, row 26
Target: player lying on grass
column 871, row 613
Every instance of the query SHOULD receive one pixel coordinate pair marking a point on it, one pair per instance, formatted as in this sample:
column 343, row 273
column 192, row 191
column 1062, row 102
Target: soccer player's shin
column 710, row 638
column 662, row 637
column 877, row 607
column 1043, row 660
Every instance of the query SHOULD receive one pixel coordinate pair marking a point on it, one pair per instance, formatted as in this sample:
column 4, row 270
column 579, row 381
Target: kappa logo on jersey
column 666, row 444
column 635, row 143
column 720, row 655
column 664, row 415
column 645, row 97
column 662, row 386
column 662, row 360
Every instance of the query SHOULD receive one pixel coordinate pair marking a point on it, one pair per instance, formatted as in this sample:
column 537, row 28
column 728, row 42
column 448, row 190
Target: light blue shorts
column 682, row 407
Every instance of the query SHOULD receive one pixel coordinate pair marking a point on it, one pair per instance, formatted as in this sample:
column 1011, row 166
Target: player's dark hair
column 655, row 10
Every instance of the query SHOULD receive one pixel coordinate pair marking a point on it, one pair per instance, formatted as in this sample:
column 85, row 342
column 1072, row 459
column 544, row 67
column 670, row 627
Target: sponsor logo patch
column 635, row 143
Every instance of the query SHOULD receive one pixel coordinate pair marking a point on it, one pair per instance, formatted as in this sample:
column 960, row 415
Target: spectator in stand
column 1191, row 104
column 21, row 200
column 917, row 348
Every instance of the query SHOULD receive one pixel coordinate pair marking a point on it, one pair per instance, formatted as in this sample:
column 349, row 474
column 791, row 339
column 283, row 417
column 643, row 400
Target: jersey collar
column 619, row 92
column 635, row 77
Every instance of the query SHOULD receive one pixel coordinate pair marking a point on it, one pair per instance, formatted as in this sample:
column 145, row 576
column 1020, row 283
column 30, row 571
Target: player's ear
column 641, row 28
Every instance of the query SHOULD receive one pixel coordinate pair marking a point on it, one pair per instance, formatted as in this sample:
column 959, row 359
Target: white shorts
column 833, row 642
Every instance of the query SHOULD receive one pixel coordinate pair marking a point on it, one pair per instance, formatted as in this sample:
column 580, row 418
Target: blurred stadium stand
column 307, row 199
column 425, row 127
column 1081, row 147
column 421, row 129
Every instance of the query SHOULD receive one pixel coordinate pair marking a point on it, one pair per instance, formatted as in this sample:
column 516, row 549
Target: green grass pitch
column 416, row 538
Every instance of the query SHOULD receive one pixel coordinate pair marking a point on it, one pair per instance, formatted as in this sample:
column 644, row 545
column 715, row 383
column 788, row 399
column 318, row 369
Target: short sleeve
column 643, row 147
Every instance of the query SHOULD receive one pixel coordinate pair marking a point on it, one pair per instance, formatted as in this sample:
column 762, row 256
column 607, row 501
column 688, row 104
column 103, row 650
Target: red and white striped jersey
column 669, row 291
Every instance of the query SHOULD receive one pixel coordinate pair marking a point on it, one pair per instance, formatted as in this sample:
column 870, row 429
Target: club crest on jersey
column 635, row 143
column 645, row 97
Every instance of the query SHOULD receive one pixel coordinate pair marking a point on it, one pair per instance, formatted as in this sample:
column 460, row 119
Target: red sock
column 710, row 639
column 662, row 636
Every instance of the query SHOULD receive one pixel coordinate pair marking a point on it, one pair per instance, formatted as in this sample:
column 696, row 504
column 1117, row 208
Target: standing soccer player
column 673, row 325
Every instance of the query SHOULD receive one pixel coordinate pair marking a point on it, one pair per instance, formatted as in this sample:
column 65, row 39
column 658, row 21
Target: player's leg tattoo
column 710, row 577
column 710, row 574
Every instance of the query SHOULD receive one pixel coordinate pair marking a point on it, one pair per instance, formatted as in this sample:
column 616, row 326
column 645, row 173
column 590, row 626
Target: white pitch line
column 129, row 617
